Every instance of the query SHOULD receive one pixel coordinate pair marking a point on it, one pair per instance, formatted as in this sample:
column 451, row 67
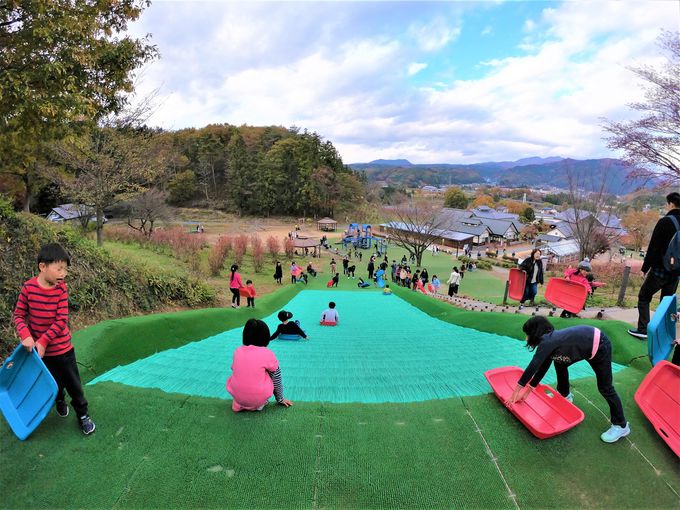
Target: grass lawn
column 159, row 450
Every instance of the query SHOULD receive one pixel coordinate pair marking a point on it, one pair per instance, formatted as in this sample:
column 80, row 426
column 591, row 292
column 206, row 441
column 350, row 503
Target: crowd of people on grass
column 42, row 311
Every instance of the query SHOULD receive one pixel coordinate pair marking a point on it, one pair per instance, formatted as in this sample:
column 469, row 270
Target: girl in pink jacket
column 255, row 372
column 578, row 274
column 235, row 283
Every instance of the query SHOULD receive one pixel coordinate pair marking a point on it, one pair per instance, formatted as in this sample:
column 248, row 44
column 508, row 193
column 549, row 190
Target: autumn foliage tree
column 651, row 143
column 455, row 198
column 640, row 225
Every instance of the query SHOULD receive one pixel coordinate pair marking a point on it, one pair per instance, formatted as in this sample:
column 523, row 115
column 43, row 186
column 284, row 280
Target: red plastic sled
column 245, row 292
column 329, row 284
column 328, row 323
column 659, row 399
column 430, row 288
column 518, row 280
column 566, row 294
column 545, row 412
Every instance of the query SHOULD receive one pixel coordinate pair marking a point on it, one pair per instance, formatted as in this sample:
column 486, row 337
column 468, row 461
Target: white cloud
column 270, row 63
column 529, row 25
column 435, row 35
column 488, row 30
column 415, row 68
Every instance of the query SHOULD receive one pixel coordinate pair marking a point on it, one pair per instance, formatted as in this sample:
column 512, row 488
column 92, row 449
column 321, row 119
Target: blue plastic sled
column 284, row 336
column 27, row 391
column 380, row 278
column 661, row 330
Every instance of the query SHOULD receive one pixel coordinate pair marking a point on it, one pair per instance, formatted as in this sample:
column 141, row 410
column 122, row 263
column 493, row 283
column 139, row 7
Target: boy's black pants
column 651, row 286
column 65, row 372
column 251, row 302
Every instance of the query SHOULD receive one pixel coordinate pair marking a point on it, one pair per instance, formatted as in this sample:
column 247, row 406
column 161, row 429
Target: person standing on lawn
column 657, row 278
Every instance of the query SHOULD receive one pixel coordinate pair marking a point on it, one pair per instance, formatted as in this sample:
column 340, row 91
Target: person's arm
column 277, row 332
column 298, row 330
column 655, row 243
column 60, row 321
column 20, row 317
column 535, row 366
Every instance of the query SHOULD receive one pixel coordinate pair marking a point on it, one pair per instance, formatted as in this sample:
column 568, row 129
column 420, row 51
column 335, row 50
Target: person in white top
column 330, row 314
column 453, row 281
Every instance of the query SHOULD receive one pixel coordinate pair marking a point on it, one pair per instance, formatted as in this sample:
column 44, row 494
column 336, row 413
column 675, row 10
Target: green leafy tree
column 528, row 215
column 241, row 176
column 182, row 188
column 61, row 62
column 455, row 198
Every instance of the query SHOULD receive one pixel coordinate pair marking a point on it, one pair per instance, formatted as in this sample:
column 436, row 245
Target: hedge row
column 100, row 286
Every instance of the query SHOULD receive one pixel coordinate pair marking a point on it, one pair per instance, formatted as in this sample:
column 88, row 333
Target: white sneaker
column 570, row 397
column 615, row 433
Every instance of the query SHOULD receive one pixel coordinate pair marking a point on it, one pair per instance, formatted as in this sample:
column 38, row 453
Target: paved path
column 629, row 315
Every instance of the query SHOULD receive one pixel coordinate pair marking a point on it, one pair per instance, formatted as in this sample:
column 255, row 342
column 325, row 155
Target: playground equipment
column 661, row 330
column 518, row 281
column 659, row 400
column 360, row 236
column 27, row 391
column 545, row 413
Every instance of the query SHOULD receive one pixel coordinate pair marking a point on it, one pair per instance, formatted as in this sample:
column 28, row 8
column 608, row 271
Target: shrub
column 273, row 247
column 218, row 254
column 100, row 286
column 257, row 252
column 240, row 247
column 288, row 248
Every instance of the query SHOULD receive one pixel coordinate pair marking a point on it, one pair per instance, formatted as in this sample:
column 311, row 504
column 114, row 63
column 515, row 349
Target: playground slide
column 545, row 413
column 659, row 399
column 518, row 280
column 27, row 391
column 661, row 330
column 284, row 336
column 566, row 294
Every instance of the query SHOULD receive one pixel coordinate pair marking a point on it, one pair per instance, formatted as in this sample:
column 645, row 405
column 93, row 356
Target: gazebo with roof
column 327, row 224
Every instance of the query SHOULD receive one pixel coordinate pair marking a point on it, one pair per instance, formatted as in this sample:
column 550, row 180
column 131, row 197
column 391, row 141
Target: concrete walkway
column 629, row 315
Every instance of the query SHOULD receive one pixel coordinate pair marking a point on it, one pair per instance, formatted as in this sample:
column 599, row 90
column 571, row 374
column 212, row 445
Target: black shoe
column 637, row 334
column 62, row 408
column 86, row 425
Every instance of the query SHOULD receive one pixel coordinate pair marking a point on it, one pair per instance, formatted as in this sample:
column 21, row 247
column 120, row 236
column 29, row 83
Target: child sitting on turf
column 252, row 294
column 330, row 314
column 255, row 372
column 286, row 327
column 41, row 319
column 387, row 291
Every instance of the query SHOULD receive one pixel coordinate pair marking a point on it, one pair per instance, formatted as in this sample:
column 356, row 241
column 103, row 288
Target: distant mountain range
column 526, row 172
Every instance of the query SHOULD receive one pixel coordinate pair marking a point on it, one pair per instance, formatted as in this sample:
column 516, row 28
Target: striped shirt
column 43, row 315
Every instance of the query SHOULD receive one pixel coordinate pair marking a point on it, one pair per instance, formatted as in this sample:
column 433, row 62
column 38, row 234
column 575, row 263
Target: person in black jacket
column 533, row 267
column 566, row 347
column 286, row 327
column 656, row 277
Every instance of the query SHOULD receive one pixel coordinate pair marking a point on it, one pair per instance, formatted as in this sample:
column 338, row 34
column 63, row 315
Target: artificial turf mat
column 384, row 350
column 158, row 450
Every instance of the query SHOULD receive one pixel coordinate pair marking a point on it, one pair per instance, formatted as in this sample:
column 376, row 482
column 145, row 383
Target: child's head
column 249, row 282
column 584, row 267
column 337, row 274
column 387, row 286
column 256, row 332
column 284, row 315
column 331, row 305
column 53, row 263
column 234, row 268
column 534, row 329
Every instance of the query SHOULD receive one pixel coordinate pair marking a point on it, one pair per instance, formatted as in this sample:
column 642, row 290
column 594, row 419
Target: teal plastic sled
column 661, row 330
column 284, row 336
column 27, row 391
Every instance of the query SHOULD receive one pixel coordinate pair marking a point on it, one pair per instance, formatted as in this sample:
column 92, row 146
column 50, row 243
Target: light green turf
column 384, row 350
column 158, row 450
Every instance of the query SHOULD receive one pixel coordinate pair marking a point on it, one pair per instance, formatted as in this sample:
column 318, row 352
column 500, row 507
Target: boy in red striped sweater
column 41, row 319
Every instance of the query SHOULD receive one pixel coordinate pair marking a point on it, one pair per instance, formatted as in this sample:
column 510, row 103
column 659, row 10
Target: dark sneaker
column 637, row 334
column 62, row 408
column 86, row 425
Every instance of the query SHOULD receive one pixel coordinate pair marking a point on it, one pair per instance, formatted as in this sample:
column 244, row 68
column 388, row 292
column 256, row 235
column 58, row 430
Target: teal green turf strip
column 384, row 350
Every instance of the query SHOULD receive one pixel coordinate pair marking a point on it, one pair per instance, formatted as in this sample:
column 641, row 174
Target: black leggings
column 602, row 366
column 65, row 372
column 235, row 297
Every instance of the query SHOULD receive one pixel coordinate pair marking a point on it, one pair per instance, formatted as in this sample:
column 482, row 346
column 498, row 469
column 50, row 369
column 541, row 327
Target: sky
column 431, row 82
